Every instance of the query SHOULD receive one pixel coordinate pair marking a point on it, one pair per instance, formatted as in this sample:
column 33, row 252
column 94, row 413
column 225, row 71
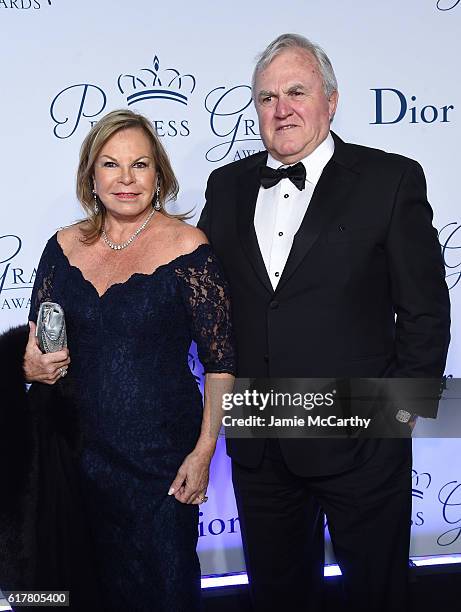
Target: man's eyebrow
column 264, row 92
column 297, row 86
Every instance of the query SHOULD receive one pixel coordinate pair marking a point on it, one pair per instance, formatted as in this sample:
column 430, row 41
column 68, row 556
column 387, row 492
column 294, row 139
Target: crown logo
column 167, row 84
column 422, row 481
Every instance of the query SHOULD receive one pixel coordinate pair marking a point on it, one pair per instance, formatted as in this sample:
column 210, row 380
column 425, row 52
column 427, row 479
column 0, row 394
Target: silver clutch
column 51, row 327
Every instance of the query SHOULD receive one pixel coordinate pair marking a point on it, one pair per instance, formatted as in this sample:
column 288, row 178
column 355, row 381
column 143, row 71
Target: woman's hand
column 190, row 484
column 45, row 368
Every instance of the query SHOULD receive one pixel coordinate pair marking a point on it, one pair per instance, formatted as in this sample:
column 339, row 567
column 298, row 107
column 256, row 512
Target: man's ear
column 332, row 104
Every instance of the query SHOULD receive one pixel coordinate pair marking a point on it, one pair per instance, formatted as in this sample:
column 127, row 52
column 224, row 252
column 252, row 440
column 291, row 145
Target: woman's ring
column 203, row 499
column 63, row 372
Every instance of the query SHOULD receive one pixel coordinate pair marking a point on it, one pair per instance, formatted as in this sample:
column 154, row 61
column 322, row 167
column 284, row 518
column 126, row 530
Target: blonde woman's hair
column 91, row 147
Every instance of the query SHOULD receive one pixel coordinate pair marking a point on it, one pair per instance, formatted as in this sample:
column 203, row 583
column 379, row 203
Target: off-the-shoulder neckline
column 204, row 246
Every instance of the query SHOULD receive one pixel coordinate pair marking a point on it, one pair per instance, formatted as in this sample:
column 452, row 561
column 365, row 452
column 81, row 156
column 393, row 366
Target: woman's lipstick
column 122, row 195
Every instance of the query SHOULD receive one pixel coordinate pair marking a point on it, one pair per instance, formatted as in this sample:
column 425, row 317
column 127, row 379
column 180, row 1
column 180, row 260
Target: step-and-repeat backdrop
column 187, row 66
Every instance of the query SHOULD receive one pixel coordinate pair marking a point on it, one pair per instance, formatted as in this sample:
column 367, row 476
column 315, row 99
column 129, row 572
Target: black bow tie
column 270, row 177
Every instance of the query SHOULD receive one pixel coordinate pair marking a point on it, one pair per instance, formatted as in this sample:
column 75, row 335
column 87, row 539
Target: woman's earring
column 157, row 205
column 95, row 205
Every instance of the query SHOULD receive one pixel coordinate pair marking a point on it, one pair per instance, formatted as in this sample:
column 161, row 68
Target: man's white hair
column 296, row 41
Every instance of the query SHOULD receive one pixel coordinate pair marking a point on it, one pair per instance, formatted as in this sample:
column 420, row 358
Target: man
column 335, row 271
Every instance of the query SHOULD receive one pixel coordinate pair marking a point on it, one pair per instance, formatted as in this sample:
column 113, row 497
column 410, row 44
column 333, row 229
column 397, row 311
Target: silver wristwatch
column 403, row 416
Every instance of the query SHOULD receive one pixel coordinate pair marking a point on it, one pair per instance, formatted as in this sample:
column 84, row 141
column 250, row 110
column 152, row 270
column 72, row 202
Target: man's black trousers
column 368, row 510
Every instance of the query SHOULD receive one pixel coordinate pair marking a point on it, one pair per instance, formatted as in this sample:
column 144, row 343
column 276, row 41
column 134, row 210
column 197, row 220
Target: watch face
column 403, row 416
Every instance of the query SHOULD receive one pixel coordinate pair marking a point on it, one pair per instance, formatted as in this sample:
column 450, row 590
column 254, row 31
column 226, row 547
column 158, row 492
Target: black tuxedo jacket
column 363, row 292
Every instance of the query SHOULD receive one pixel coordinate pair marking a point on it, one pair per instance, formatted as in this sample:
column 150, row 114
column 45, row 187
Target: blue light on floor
column 211, row 582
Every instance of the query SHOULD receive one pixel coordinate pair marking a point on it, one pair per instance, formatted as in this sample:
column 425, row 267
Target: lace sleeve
column 206, row 297
column 43, row 285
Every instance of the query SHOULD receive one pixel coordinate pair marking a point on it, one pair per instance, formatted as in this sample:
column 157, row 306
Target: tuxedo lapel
column 248, row 187
column 332, row 189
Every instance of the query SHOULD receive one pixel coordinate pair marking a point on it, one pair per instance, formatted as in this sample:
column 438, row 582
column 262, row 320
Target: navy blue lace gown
column 139, row 415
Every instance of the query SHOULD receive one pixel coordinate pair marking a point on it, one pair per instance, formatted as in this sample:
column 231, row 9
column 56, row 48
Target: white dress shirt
column 281, row 209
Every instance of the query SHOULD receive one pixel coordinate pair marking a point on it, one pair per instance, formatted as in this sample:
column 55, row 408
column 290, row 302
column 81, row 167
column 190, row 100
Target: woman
column 136, row 285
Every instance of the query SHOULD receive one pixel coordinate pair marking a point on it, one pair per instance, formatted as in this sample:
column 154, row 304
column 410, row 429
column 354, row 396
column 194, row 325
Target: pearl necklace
column 123, row 245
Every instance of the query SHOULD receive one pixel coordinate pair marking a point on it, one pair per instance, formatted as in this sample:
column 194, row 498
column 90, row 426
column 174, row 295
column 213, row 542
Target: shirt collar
column 315, row 162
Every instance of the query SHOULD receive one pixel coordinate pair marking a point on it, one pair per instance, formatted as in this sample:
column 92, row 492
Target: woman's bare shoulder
column 189, row 237
column 70, row 236
column 181, row 236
